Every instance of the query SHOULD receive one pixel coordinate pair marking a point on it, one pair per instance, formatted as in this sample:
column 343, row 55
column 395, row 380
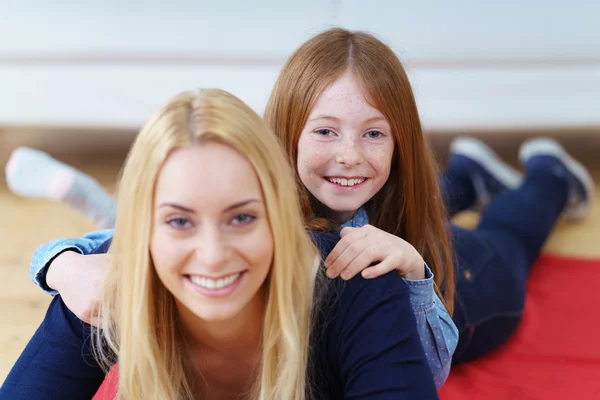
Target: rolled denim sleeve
column 47, row 252
column 438, row 333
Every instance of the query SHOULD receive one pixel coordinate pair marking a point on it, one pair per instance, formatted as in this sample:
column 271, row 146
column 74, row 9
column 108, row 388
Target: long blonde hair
column 138, row 316
column 410, row 204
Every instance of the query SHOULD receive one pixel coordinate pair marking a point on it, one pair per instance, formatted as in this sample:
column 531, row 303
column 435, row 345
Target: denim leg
column 530, row 212
column 493, row 261
column 457, row 190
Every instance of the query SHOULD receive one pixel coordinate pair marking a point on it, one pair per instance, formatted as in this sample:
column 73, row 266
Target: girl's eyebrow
column 375, row 119
column 378, row 118
column 329, row 117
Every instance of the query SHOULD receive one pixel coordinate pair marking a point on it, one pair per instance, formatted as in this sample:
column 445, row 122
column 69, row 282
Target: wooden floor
column 28, row 223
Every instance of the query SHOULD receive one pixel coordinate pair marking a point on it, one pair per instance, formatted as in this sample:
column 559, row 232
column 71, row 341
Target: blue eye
column 374, row 134
column 178, row 223
column 242, row 219
column 324, row 132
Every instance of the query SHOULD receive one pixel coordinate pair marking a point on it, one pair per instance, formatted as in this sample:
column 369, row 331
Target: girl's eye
column 374, row 134
column 178, row 223
column 324, row 132
column 242, row 219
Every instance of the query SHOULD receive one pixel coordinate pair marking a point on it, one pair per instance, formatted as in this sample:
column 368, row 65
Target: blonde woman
column 211, row 289
column 223, row 200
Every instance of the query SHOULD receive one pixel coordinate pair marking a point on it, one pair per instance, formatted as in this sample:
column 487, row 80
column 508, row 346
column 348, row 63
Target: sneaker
column 549, row 154
column 489, row 175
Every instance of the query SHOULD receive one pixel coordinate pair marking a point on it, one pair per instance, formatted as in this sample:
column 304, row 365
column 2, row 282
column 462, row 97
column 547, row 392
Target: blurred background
column 77, row 80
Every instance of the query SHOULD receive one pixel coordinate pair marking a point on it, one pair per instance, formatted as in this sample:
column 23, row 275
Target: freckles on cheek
column 311, row 160
column 311, row 167
column 381, row 158
column 382, row 154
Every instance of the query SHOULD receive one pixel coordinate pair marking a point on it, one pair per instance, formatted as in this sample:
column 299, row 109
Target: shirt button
column 468, row 275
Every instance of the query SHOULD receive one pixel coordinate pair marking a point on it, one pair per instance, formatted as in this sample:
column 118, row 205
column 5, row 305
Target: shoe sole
column 550, row 147
column 488, row 159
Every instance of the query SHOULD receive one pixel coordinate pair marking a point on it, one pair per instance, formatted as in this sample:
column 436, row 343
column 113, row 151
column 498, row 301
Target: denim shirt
column 438, row 334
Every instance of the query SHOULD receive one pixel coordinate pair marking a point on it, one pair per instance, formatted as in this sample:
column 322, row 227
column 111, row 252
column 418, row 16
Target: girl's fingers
column 350, row 236
column 377, row 270
column 363, row 260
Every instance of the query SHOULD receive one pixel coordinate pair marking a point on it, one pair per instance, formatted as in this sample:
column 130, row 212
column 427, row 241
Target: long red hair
column 410, row 204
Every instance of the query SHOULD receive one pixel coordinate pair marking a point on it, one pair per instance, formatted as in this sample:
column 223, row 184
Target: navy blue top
column 366, row 343
column 366, row 346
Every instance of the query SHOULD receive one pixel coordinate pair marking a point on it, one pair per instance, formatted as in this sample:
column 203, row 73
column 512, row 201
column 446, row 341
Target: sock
column 33, row 173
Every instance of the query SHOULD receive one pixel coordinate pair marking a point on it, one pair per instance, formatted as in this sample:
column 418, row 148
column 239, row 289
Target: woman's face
column 211, row 241
column 345, row 149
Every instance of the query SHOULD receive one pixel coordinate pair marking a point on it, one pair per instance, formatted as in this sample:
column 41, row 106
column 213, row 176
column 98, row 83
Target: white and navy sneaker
column 549, row 154
column 489, row 175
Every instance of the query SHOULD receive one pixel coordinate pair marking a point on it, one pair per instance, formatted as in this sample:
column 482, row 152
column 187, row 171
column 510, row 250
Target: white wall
column 478, row 66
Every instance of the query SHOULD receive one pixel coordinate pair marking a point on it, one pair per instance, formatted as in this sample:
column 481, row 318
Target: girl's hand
column 361, row 247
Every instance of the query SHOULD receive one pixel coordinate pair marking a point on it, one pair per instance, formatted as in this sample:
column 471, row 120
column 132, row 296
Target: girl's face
column 211, row 241
column 345, row 149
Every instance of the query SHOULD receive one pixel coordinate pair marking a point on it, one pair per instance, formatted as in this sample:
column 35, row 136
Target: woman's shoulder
column 366, row 341
column 349, row 299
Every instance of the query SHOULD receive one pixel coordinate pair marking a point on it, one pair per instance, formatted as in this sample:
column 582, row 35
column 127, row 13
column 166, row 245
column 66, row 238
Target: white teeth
column 346, row 182
column 208, row 283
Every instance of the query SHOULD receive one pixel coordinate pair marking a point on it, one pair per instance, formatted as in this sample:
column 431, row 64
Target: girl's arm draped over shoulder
column 437, row 331
column 46, row 253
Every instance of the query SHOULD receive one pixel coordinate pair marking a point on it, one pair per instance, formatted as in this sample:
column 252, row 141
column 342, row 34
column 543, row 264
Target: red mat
column 555, row 353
